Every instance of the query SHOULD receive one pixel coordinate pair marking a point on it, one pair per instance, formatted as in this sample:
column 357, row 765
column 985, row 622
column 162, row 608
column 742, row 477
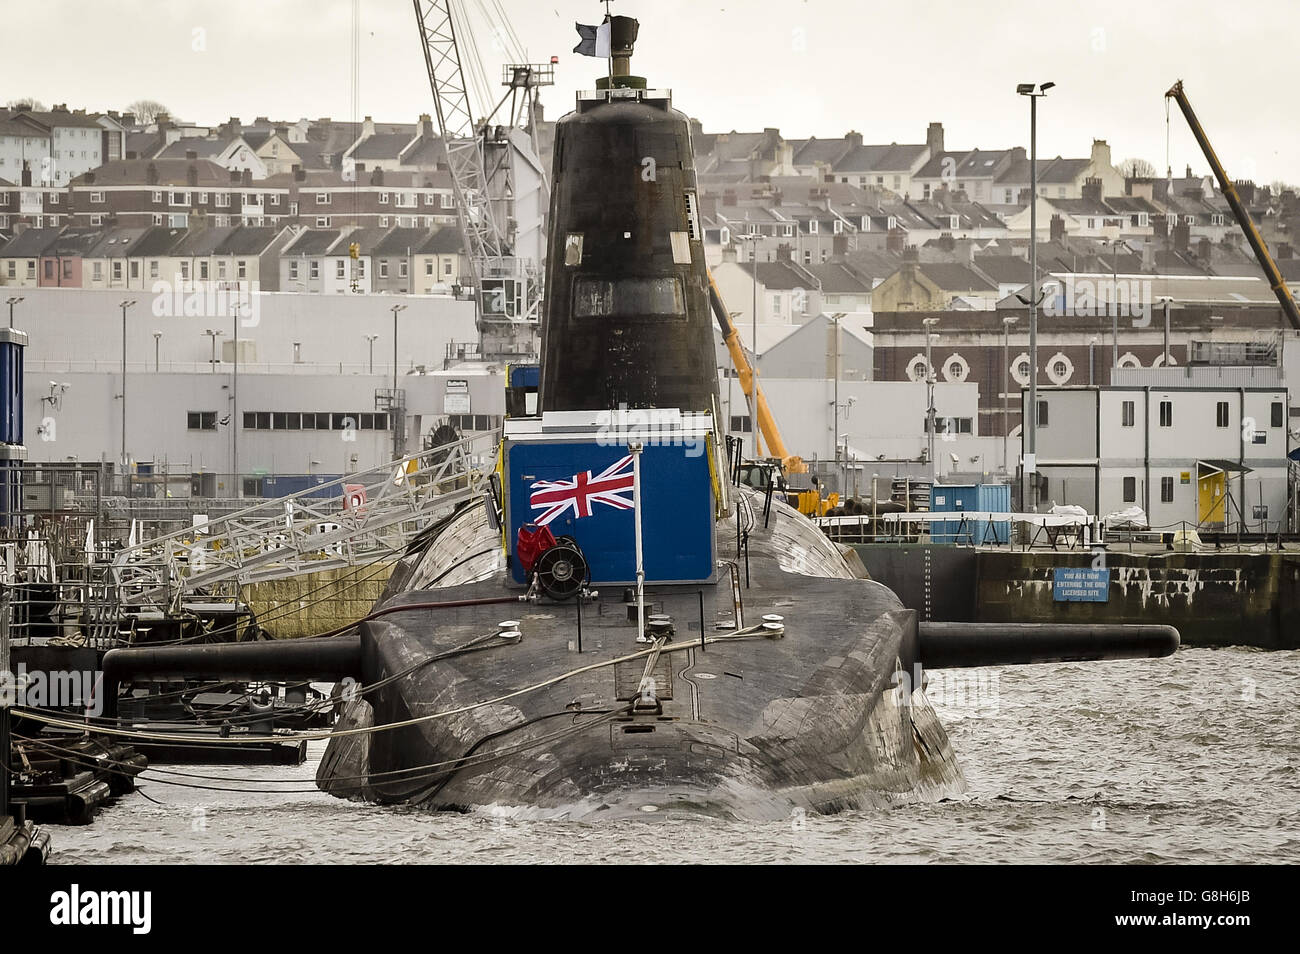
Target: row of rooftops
column 162, row 242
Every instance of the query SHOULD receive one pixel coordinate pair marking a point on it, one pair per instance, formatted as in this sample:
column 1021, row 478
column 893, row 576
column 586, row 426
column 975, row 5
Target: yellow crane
column 1275, row 281
column 808, row 501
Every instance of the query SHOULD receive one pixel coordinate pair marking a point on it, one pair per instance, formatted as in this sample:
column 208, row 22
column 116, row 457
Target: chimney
column 1182, row 236
column 1092, row 188
column 1189, row 170
column 853, row 138
column 426, row 126
column 1203, row 248
column 784, row 253
column 934, row 138
column 233, row 126
column 151, row 174
column 911, row 257
column 247, row 177
column 1245, row 191
column 1056, row 228
column 299, row 173
column 1148, row 257
column 1100, row 155
column 377, row 177
column 839, row 244
column 234, row 177
column 1284, row 250
column 895, row 240
column 192, row 174
column 367, row 127
column 25, row 178
column 946, row 242
column 1160, row 190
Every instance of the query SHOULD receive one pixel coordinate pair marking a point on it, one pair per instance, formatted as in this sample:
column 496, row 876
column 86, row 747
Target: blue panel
column 288, row 485
column 525, row 375
column 1080, row 585
column 677, row 507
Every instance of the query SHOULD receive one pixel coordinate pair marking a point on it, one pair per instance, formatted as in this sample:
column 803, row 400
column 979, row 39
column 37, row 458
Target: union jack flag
column 581, row 492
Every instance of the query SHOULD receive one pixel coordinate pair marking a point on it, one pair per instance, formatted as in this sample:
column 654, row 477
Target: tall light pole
column 397, row 405
column 1114, row 306
column 124, row 305
column 929, row 323
column 234, row 401
column 1092, row 341
column 835, row 403
column 157, row 338
column 371, row 339
column 11, row 302
column 1007, row 322
column 1031, row 446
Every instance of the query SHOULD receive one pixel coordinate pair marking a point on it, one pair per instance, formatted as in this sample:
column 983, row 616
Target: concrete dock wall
column 1214, row 599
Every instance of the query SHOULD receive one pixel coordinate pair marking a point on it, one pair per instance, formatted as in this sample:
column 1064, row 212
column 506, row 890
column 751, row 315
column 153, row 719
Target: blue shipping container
column 970, row 498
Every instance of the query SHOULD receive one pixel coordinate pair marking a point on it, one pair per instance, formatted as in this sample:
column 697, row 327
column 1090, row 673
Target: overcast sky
column 808, row 67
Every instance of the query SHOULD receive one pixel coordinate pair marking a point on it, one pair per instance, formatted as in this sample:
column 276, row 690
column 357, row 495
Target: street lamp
column 157, row 337
column 395, row 309
column 11, row 302
column 930, row 336
column 397, row 407
column 234, row 399
column 212, row 333
column 371, row 339
column 1092, row 341
column 835, row 403
column 124, row 305
column 1007, row 322
column 1114, row 305
column 1031, row 446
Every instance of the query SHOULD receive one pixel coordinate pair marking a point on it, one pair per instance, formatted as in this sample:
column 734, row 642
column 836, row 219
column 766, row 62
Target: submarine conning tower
column 627, row 318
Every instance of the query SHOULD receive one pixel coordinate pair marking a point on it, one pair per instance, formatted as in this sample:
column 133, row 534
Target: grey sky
column 808, row 67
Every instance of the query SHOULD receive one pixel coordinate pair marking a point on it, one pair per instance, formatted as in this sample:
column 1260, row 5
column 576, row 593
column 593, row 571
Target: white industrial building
column 1202, row 447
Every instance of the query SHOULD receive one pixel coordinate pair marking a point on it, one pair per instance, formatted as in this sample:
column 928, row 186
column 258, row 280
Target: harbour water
column 1194, row 759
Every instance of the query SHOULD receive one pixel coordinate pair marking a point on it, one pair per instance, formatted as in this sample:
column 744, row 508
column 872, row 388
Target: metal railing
column 356, row 519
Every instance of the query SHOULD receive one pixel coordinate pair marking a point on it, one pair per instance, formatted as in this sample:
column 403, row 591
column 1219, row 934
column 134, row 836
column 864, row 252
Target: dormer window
column 812, row 226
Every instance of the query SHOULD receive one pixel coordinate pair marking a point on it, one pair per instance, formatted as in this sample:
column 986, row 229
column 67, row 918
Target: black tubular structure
column 327, row 660
column 959, row 645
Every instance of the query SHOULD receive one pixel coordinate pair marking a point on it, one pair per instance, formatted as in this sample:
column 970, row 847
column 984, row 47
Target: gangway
column 355, row 520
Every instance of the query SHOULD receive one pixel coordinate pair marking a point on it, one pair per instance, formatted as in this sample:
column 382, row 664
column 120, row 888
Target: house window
column 383, row 198
column 383, row 268
column 97, row 271
column 223, row 200
column 322, row 198
column 157, row 219
column 203, row 198
column 293, row 270
column 1166, row 414
column 812, row 226
column 96, row 220
column 322, row 221
column 201, row 420
column 1275, row 414
column 185, row 271
column 340, row 269
column 157, row 196
column 428, row 266
column 1166, row 490
column 1130, row 489
column 383, row 221
column 96, row 197
column 221, row 269
column 315, row 270
column 49, row 268
column 135, row 269
column 203, row 271
column 241, row 270
column 1221, row 414
column 117, row 271
column 401, row 269
column 153, row 268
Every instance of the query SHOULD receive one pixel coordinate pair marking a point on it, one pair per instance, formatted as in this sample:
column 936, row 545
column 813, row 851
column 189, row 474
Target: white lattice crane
column 482, row 156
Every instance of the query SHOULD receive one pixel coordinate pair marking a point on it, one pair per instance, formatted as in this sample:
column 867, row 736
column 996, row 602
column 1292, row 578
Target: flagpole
column 609, row 55
column 635, row 448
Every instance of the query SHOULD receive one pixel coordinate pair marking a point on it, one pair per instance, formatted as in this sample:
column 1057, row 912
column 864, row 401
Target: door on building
column 1212, row 491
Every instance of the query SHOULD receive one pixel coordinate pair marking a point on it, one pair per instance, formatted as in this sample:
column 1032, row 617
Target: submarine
column 620, row 626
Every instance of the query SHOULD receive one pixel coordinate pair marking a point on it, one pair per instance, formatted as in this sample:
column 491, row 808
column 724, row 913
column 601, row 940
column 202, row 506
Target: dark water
column 1188, row 759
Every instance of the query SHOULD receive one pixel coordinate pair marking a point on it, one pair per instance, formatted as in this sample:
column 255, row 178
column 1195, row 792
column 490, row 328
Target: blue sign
column 1079, row 585
column 584, row 489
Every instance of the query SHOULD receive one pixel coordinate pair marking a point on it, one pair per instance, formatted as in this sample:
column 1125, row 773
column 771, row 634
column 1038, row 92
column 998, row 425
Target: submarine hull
column 748, row 727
